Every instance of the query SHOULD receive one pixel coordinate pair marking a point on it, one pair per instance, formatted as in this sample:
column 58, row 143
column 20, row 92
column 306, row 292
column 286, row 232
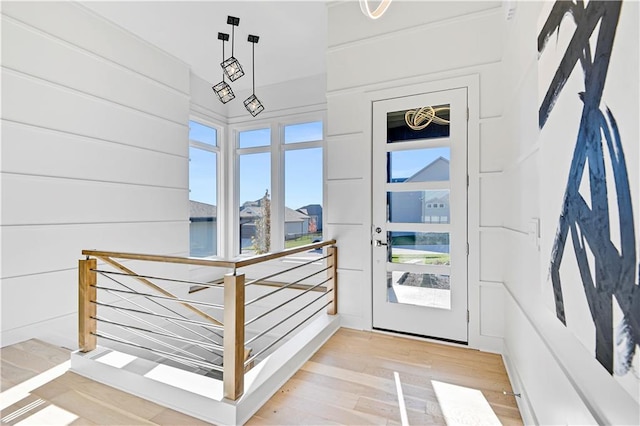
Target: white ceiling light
column 378, row 12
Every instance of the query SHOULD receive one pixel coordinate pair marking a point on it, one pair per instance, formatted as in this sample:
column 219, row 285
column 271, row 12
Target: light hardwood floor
column 356, row 378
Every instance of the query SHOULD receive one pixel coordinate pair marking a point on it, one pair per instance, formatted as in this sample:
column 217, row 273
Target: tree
column 313, row 228
column 262, row 239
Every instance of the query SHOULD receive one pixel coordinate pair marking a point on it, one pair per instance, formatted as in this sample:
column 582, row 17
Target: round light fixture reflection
column 378, row 12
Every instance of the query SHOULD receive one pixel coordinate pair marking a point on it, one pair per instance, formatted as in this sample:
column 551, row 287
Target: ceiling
column 293, row 34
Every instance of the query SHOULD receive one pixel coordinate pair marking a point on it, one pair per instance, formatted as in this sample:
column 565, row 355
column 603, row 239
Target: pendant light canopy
column 231, row 66
column 252, row 103
column 222, row 89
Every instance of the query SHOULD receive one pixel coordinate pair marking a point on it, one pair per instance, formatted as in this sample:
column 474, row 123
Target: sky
column 303, row 167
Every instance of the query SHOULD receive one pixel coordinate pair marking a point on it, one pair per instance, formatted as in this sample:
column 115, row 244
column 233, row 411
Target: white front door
column 419, row 233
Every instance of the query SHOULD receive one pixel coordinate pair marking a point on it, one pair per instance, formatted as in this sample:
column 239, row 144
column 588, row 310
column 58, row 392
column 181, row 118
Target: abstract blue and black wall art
column 607, row 261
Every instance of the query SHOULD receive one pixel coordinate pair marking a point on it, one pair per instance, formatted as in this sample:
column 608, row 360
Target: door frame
column 408, row 318
column 411, row 87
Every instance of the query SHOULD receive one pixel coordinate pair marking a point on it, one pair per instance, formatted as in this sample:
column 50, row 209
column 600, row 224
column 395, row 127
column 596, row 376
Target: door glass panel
column 411, row 288
column 421, row 122
column 418, row 165
column 419, row 248
column 430, row 206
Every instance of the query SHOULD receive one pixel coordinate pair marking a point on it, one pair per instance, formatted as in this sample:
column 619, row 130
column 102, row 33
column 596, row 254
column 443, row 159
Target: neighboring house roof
column 438, row 169
column 248, row 211
column 291, row 215
column 202, row 210
column 438, row 197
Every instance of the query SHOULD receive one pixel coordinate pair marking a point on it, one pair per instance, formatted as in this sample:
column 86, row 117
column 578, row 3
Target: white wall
column 559, row 378
column 94, row 155
column 415, row 44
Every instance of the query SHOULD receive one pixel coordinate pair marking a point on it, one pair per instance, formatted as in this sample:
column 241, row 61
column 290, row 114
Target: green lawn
column 305, row 239
column 423, row 259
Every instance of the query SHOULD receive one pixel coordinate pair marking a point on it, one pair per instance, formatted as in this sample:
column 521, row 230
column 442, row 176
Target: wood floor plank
column 171, row 417
column 331, row 413
column 91, row 409
column 27, row 360
column 54, row 354
column 5, row 383
column 15, row 374
column 110, row 396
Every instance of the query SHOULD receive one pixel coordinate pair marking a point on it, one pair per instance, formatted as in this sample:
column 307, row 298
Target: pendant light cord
column 233, row 38
column 223, row 60
column 253, row 66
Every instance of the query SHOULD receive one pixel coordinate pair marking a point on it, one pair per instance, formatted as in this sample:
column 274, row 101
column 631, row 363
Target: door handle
column 380, row 243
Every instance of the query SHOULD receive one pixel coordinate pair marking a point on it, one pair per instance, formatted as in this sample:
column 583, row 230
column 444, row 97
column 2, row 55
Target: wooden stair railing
column 235, row 353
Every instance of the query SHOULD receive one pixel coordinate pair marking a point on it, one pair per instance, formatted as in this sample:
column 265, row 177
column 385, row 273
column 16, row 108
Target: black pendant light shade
column 231, row 66
column 252, row 103
column 222, row 89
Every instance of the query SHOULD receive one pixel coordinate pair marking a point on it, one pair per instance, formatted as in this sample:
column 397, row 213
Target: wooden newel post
column 233, row 368
column 332, row 273
column 86, row 310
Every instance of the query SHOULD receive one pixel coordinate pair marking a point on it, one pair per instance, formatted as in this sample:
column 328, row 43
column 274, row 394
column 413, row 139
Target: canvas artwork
column 589, row 152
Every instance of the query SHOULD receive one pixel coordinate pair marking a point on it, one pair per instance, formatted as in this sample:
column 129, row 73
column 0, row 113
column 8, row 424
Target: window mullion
column 277, row 187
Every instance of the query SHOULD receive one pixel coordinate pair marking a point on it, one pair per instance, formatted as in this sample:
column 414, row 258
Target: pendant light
column 231, row 66
column 222, row 89
column 252, row 103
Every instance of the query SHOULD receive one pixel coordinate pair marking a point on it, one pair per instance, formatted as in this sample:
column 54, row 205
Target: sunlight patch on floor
column 51, row 415
column 22, row 411
column 401, row 405
column 22, row 390
column 463, row 406
column 116, row 359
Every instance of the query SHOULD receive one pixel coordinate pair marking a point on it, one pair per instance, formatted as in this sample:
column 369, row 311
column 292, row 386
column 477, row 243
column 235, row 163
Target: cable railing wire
column 275, row 308
column 155, row 296
column 205, row 346
column 285, row 271
column 185, row 320
column 194, row 342
column 264, row 296
column 151, row 339
column 151, row 277
column 177, row 324
column 164, row 307
column 167, row 355
column 261, row 334
column 269, row 346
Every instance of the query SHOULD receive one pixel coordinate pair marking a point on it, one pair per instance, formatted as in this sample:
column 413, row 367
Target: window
column 304, row 132
column 203, row 178
column 279, row 187
column 254, row 214
column 255, row 203
column 303, row 183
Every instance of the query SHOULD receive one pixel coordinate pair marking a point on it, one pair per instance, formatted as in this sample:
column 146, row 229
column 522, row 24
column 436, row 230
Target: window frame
column 277, row 149
column 218, row 149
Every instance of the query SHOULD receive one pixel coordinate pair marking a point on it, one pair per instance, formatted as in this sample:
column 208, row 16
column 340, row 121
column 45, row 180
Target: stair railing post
column 87, row 325
column 233, row 362
column 332, row 274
